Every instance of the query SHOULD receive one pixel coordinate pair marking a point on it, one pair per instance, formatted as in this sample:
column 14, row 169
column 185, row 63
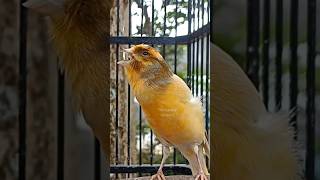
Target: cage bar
column 310, row 111
column 152, row 34
column 294, row 13
column 22, row 55
column 61, row 127
column 265, row 53
column 253, row 29
column 175, row 63
column 129, row 95
column 279, row 49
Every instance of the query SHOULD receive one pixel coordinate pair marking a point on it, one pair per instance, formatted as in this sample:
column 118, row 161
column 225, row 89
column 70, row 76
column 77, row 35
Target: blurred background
column 230, row 33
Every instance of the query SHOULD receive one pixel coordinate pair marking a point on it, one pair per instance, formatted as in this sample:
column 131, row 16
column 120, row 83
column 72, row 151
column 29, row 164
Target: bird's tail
column 280, row 138
column 203, row 151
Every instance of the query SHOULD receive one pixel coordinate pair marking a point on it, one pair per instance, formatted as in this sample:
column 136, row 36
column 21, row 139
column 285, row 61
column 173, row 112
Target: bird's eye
column 145, row 53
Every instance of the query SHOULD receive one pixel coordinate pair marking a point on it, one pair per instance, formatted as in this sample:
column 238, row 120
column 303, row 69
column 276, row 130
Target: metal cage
column 196, row 41
column 197, row 71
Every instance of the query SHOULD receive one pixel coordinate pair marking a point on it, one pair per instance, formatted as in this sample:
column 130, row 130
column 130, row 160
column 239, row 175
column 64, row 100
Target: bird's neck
column 148, row 77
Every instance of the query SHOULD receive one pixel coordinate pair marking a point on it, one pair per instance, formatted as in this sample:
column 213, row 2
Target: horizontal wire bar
column 178, row 168
column 162, row 40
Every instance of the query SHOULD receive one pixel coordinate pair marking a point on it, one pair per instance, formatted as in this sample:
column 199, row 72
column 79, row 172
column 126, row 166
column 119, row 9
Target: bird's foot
column 158, row 176
column 201, row 176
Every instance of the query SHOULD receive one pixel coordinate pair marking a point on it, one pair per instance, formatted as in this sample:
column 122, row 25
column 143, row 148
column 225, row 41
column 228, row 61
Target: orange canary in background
column 249, row 143
column 79, row 29
column 173, row 113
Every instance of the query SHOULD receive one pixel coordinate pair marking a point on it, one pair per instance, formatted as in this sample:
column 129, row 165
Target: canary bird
column 173, row 113
column 249, row 143
column 79, row 29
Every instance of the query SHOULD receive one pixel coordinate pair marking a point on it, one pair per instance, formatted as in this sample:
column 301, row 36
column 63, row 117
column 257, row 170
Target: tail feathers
column 204, row 150
column 47, row 7
column 193, row 162
column 206, row 147
column 188, row 152
column 280, row 136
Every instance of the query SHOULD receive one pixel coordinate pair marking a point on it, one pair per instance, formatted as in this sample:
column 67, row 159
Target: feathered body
column 249, row 143
column 175, row 116
column 79, row 31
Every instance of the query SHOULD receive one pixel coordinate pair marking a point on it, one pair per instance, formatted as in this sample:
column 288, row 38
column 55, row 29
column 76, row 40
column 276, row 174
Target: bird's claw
column 158, row 176
column 201, row 176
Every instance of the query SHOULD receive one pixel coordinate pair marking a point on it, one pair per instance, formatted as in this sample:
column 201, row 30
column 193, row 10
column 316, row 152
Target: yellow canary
column 79, row 31
column 249, row 143
column 173, row 113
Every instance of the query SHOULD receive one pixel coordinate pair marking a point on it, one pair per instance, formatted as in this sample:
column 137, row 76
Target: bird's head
column 145, row 61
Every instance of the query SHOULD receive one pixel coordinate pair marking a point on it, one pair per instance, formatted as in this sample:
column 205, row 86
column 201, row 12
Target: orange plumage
column 79, row 31
column 172, row 112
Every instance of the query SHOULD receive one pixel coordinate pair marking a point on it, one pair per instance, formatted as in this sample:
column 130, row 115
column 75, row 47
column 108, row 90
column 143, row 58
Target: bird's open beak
column 125, row 60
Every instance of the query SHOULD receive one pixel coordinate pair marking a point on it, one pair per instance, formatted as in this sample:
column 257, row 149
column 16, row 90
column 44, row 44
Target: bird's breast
column 170, row 115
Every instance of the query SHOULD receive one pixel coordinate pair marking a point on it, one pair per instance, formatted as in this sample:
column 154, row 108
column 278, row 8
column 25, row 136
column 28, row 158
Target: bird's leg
column 200, row 175
column 160, row 175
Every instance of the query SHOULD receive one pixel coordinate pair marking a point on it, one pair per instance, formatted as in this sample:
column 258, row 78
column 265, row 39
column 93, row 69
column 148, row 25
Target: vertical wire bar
column 266, row 42
column 202, row 11
column 198, row 10
column 202, row 73
column 310, row 111
column 294, row 14
column 197, row 67
column 252, row 66
column 164, row 31
column 210, row 13
column 60, row 127
column 194, row 15
column 209, row 66
column 189, row 47
column 175, row 45
column 97, row 160
column 140, row 137
column 193, row 45
column 207, row 70
column 279, row 45
column 164, row 27
column 175, row 63
column 151, row 133
column 141, row 25
column 202, row 51
column 117, row 88
column 22, row 89
column 129, row 100
column 193, row 65
column 207, row 83
column 197, row 59
column 140, row 110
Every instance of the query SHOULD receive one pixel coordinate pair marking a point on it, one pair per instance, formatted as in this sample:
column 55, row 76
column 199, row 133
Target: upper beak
column 127, row 51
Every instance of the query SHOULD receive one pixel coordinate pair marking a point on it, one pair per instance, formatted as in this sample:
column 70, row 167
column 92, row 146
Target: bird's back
column 249, row 142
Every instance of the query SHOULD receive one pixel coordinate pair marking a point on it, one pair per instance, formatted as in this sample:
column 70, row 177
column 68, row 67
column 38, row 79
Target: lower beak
column 123, row 62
